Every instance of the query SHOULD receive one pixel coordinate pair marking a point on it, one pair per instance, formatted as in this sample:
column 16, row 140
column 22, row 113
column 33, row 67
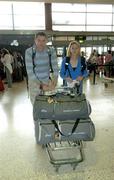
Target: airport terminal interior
column 21, row 158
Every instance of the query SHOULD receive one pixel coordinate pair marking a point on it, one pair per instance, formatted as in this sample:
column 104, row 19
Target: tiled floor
column 22, row 159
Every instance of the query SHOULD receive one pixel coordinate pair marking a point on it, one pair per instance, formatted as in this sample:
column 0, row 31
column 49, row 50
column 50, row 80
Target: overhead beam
column 56, row 33
column 69, row 1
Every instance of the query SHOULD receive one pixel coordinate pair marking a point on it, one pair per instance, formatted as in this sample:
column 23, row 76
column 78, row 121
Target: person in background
column 83, row 56
column 76, row 67
column 6, row 59
column 38, row 66
column 92, row 61
column 108, row 63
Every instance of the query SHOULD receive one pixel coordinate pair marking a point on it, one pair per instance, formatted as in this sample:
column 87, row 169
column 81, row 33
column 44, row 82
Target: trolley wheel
column 43, row 146
column 74, row 166
column 57, row 168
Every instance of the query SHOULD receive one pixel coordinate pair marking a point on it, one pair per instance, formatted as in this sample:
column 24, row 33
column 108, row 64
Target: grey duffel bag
column 61, row 107
column 49, row 131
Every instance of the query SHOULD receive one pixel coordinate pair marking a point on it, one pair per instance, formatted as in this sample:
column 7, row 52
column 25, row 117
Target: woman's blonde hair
column 69, row 46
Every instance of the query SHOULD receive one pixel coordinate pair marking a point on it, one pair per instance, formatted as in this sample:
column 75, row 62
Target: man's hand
column 54, row 82
column 50, row 86
column 45, row 87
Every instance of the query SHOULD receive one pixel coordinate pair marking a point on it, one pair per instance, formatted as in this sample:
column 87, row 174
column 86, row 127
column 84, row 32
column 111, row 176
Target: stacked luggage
column 63, row 116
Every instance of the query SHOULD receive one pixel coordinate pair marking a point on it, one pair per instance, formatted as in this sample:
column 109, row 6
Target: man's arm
column 54, row 63
column 29, row 66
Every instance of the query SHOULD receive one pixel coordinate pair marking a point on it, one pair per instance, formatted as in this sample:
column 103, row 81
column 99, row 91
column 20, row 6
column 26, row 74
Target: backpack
column 83, row 65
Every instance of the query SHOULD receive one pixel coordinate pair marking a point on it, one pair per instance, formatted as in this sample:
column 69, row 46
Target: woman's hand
column 79, row 78
column 68, row 79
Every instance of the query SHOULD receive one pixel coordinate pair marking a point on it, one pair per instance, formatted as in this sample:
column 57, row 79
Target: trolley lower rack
column 73, row 151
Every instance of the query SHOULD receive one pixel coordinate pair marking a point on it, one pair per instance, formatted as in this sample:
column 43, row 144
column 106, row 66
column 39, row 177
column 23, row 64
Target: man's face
column 40, row 42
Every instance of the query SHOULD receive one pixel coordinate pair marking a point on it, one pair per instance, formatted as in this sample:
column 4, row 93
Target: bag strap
column 73, row 129
column 66, row 66
column 33, row 56
column 50, row 63
column 83, row 65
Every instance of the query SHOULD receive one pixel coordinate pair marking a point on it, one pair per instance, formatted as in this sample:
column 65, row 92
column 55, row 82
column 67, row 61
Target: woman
column 6, row 59
column 73, row 67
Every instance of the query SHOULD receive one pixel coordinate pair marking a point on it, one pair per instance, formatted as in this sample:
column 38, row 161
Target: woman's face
column 74, row 49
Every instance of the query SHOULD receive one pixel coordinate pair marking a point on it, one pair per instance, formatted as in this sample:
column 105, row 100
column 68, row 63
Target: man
column 38, row 59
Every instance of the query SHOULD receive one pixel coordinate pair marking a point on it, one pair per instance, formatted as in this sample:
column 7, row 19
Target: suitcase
column 47, row 132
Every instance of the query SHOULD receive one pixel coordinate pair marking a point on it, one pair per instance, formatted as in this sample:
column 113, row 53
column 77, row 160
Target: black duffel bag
column 61, row 107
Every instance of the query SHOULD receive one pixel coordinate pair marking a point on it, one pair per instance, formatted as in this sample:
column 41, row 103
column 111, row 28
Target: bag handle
column 73, row 129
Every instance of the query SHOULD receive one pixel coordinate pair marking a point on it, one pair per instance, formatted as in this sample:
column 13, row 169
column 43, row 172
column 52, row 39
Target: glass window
column 65, row 7
column 89, row 38
column 68, row 18
column 99, row 19
column 22, row 15
column 28, row 8
column 31, row 15
column 102, row 37
column 113, row 8
column 82, row 17
column 71, row 38
column 6, row 21
column 88, row 52
column 100, row 50
column 99, row 7
column 61, row 38
column 5, row 15
column 95, row 37
column 111, row 37
column 28, row 22
column 5, row 8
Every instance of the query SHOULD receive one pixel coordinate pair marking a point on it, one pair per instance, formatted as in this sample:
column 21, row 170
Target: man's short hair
column 40, row 33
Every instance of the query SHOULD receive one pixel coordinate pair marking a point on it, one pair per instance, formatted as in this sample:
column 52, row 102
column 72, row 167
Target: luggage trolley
column 63, row 139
